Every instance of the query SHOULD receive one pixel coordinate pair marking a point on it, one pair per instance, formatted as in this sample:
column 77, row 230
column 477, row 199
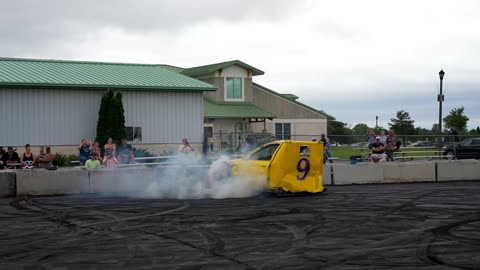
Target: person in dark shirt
column 378, row 150
column 84, row 151
column 9, row 157
column 125, row 153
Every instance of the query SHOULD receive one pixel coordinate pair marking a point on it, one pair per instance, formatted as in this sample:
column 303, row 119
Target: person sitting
column 95, row 150
column 125, row 153
column 378, row 151
column 109, row 159
column 27, row 159
column 93, row 162
column 10, row 157
column 84, row 150
column 391, row 136
column 389, row 149
column 185, row 148
column 45, row 160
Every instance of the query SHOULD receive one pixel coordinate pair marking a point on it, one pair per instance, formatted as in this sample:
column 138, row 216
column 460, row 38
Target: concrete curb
column 138, row 179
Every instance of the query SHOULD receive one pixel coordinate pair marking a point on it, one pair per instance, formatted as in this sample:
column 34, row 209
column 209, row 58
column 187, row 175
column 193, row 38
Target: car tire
column 450, row 155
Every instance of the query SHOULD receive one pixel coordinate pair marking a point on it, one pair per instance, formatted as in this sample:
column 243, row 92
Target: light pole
column 440, row 100
column 376, row 121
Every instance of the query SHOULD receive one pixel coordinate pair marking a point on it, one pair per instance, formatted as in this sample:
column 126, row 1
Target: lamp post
column 440, row 100
column 376, row 121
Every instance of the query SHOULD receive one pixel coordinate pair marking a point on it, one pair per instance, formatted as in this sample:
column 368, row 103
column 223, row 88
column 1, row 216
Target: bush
column 62, row 160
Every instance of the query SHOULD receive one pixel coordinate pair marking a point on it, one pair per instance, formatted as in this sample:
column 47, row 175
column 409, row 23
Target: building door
column 208, row 137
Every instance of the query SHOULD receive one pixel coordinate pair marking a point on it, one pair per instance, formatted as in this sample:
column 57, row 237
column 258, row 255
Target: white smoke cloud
column 188, row 180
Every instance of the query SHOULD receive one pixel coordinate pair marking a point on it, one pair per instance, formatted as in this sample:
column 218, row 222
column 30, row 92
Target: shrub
column 62, row 160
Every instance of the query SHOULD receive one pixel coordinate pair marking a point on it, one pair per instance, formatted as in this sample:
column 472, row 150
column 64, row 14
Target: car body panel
column 292, row 166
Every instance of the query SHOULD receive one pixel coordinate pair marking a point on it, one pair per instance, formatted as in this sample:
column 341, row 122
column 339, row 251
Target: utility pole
column 440, row 100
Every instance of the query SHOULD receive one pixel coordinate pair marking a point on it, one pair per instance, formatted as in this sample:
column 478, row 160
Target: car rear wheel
column 450, row 155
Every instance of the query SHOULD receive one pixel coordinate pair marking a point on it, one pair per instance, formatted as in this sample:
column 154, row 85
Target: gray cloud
column 40, row 25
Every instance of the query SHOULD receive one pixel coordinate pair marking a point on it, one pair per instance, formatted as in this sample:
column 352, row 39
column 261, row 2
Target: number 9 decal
column 303, row 167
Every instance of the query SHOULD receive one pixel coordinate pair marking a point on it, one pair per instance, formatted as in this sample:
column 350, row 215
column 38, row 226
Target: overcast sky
column 353, row 59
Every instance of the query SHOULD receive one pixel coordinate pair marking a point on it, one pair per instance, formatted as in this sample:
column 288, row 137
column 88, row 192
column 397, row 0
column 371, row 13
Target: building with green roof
column 241, row 110
column 56, row 102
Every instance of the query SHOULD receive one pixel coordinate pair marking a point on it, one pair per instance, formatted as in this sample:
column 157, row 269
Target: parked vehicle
column 421, row 144
column 469, row 148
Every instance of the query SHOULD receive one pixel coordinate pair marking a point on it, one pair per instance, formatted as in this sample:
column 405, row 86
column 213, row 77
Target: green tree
column 402, row 125
column 456, row 120
column 104, row 118
column 339, row 128
column 119, row 119
column 111, row 118
column 360, row 129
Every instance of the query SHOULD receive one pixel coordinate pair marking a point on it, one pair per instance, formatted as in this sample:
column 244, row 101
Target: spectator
column 391, row 136
column 389, row 147
column 42, row 153
column 314, row 139
column 272, row 139
column 370, row 138
column 10, row 157
column 93, row 162
column 84, row 149
column 109, row 159
column 45, row 160
column 378, row 149
column 28, row 159
column 185, row 148
column 323, row 139
column 327, row 151
column 383, row 137
column 95, row 150
column 125, row 153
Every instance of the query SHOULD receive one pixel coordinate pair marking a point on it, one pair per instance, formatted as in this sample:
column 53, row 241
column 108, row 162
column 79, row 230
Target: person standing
column 370, row 138
column 84, row 151
column 327, row 150
column 383, row 137
column 109, row 159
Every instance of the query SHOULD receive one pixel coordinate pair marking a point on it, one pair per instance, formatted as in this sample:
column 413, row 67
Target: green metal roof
column 233, row 110
column 289, row 97
column 58, row 73
column 214, row 67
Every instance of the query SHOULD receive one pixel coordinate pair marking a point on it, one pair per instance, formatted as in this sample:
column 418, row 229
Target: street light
column 376, row 121
column 440, row 99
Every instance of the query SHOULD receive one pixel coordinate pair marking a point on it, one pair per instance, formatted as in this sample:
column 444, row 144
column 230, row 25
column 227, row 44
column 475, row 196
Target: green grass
column 344, row 152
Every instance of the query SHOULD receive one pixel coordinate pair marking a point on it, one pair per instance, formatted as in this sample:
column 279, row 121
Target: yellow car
column 285, row 166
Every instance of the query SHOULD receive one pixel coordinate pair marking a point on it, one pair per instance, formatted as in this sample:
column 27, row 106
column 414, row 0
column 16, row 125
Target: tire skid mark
column 206, row 251
column 442, row 232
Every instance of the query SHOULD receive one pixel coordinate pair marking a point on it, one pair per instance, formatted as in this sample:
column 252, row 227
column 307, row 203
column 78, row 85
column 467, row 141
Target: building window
column 133, row 134
column 282, row 131
column 234, row 89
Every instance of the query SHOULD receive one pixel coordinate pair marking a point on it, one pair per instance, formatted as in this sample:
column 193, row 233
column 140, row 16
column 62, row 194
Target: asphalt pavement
column 389, row 226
